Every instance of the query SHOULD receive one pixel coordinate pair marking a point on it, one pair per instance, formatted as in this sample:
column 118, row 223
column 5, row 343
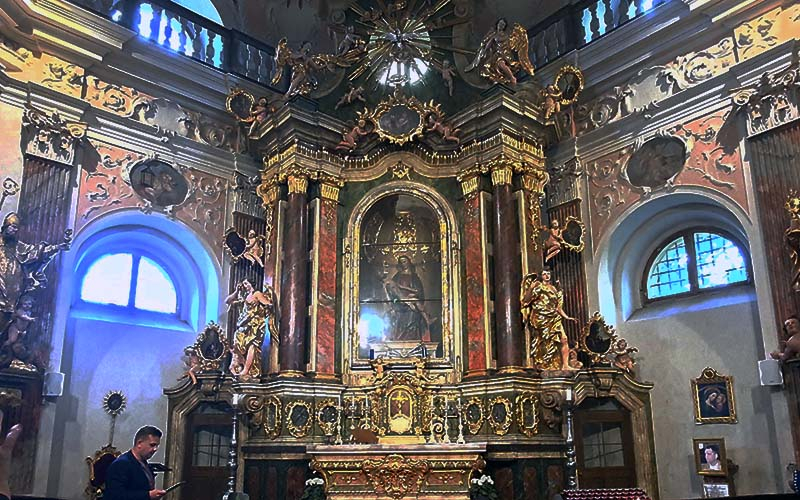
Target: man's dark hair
column 147, row 430
column 786, row 332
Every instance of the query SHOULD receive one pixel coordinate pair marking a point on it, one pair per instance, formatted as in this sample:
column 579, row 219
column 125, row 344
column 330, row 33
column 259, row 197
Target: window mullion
column 691, row 265
column 134, row 281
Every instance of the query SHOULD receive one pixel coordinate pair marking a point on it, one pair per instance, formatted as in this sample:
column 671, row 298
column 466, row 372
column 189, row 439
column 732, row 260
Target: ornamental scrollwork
column 299, row 418
column 50, row 137
column 474, row 415
column 395, row 476
column 528, row 414
column 499, row 415
column 327, row 416
column 265, row 413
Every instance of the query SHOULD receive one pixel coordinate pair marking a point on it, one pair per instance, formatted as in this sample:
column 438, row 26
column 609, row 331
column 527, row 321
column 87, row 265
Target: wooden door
column 208, row 440
column 604, row 445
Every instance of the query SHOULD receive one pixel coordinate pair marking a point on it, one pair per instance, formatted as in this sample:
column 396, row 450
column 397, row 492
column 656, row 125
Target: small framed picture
column 709, row 457
column 714, row 401
column 716, row 490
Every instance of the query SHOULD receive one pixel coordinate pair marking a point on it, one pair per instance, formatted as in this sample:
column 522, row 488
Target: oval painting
column 656, row 162
column 159, row 183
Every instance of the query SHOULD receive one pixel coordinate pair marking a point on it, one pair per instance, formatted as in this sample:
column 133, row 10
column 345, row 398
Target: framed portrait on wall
column 709, row 457
column 716, row 490
column 714, row 401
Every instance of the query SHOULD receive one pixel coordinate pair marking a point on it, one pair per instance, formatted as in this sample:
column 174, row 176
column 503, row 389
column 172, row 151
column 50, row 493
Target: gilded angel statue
column 305, row 66
column 502, row 54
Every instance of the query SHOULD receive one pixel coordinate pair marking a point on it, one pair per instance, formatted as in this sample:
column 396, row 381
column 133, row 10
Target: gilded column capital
column 469, row 186
column 502, row 175
column 329, row 186
column 298, row 183
column 535, row 181
column 267, row 191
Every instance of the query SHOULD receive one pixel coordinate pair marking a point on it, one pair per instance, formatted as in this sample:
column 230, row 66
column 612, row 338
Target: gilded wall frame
column 714, row 400
column 449, row 246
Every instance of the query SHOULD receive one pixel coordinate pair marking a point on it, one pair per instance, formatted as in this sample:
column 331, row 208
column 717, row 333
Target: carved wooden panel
column 243, row 269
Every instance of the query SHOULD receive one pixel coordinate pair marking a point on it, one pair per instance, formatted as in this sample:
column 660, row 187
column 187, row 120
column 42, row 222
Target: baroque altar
column 403, row 295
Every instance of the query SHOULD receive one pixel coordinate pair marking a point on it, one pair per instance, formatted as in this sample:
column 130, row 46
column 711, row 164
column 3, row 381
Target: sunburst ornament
column 400, row 48
column 114, row 403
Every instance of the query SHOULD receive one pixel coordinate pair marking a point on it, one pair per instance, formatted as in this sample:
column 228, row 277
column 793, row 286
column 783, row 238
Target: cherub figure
column 502, row 54
column 790, row 346
column 447, row 73
column 258, row 115
column 254, row 249
column 349, row 42
column 21, row 319
column 352, row 95
column 552, row 246
column 551, row 99
column 434, row 124
column 304, row 67
column 622, row 355
column 350, row 138
column 191, row 362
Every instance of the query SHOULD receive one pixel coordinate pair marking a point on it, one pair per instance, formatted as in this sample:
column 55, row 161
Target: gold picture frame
column 710, row 458
column 714, row 399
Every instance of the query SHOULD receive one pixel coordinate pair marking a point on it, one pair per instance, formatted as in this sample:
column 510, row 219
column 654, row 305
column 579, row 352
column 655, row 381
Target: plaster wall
column 10, row 154
column 100, row 357
column 676, row 341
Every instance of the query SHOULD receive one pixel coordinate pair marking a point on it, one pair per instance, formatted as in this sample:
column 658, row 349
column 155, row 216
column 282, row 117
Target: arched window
column 132, row 281
column 695, row 260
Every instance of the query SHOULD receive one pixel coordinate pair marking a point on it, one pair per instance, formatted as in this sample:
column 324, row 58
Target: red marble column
column 507, row 274
column 478, row 349
column 323, row 300
column 294, row 280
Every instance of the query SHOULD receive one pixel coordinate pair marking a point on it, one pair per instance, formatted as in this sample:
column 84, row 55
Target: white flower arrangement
column 483, row 487
column 314, row 481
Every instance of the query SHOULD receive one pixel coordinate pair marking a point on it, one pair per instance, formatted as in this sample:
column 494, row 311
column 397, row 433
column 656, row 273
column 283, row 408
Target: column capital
column 502, row 175
column 535, row 181
column 329, row 186
column 298, row 183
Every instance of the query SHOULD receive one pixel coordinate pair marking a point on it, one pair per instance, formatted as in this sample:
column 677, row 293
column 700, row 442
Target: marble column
column 294, row 280
column 479, row 346
column 507, row 274
column 323, row 283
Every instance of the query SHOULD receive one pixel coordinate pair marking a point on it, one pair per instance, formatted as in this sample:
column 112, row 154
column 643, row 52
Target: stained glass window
column 696, row 260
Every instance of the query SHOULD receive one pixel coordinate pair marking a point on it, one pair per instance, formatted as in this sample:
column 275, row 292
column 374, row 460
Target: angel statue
column 543, row 316
column 254, row 249
column 257, row 313
column 502, row 54
column 303, row 65
column 792, row 237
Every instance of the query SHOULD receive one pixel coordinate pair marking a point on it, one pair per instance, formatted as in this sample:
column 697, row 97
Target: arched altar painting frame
column 443, row 347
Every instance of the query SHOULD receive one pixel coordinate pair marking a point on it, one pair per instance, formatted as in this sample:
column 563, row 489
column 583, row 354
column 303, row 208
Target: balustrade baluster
column 608, row 16
column 264, row 68
column 210, row 52
column 155, row 23
column 594, row 24
column 165, row 38
column 197, row 41
column 183, row 37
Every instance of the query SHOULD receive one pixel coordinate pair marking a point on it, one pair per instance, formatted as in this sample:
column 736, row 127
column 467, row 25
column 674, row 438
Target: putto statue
column 22, row 268
column 305, row 67
column 257, row 312
column 543, row 315
column 502, row 54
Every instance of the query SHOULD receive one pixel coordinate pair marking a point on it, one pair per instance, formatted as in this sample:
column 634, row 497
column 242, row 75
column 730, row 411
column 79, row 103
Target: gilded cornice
column 481, row 155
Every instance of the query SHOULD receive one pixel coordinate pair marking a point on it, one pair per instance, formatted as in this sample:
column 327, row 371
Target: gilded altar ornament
column 400, row 118
column 327, row 416
column 502, row 54
column 542, row 307
column 474, row 415
column 395, row 475
column 210, row 349
column 114, row 403
column 306, row 67
column 527, row 413
column 256, row 314
column 597, row 339
column 248, row 111
column 299, row 417
column 564, row 91
column 22, row 267
column 499, row 415
column 792, row 236
column 265, row 413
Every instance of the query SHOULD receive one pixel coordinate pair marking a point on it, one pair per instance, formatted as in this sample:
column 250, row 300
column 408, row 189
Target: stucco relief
column 105, row 186
column 643, row 91
column 713, row 162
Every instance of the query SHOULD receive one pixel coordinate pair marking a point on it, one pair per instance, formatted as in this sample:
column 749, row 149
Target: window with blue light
column 694, row 261
column 129, row 280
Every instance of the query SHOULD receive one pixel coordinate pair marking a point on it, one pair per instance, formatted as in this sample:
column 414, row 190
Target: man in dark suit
column 129, row 477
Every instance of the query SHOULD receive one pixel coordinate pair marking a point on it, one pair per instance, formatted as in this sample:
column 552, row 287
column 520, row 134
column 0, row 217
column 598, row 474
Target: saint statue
column 543, row 316
column 407, row 315
column 257, row 312
column 21, row 272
